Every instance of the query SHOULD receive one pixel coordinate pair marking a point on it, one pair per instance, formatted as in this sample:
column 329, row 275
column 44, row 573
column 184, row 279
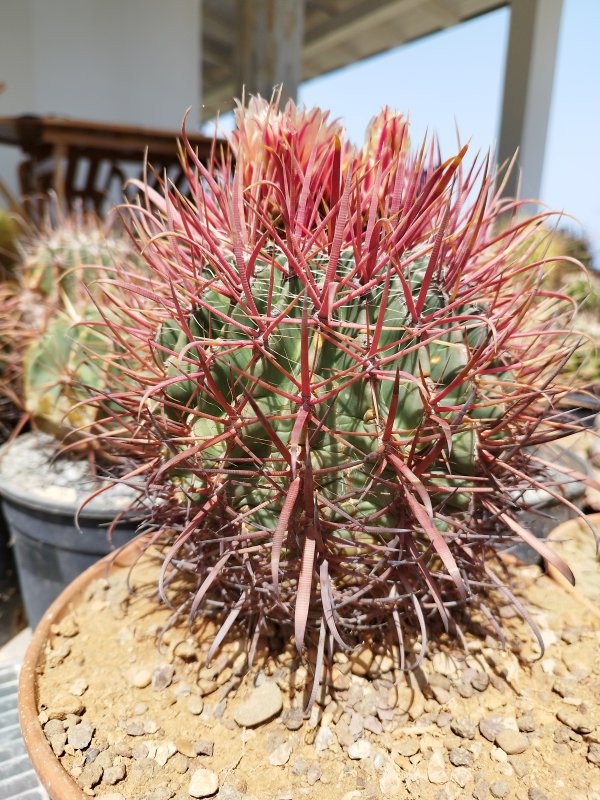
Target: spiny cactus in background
column 568, row 268
column 341, row 372
column 48, row 355
column 9, row 233
column 53, row 256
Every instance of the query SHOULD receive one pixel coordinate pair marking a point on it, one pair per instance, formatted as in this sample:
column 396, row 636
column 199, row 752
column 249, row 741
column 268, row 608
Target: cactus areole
column 342, row 366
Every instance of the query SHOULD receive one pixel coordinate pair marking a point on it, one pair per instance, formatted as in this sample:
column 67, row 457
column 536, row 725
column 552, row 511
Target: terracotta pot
column 57, row 782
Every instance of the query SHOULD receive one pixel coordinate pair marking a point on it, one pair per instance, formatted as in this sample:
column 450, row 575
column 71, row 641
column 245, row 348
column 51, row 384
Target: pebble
column 512, row 742
column 115, row 796
column 186, row 747
column 499, row 755
column 444, row 664
column 359, row 750
column 300, row 767
column 408, row 747
column 372, row 724
column 360, row 661
column 150, row 726
column 263, row 703
column 441, row 695
column 141, row 678
column 164, row 751
column 391, row 782
column 90, row 775
column 53, row 726
column 139, row 709
column 324, row 739
column 78, row 687
column 481, row 790
column 204, row 748
column 142, row 770
column 180, row 763
column 281, row 755
column 195, row 705
column 339, row 680
column 593, row 754
column 313, row 773
column 58, row 742
column 67, row 627
column 459, row 757
column 570, row 635
column 220, row 709
column 461, row 776
column 564, row 687
column 536, row 794
column 463, row 727
column 499, row 788
column 114, row 774
column 203, row 783
column 80, row 736
column 520, row 765
column 57, row 655
column 229, row 792
column 186, row 651
column 436, row 769
column 140, row 751
column 490, row 727
column 65, row 705
column 480, row 681
column 134, row 727
column 162, row 677
column 526, row 723
column 160, row 793
column 91, row 755
column 575, row 720
column 356, row 726
column 465, row 690
column 105, row 759
column 437, row 679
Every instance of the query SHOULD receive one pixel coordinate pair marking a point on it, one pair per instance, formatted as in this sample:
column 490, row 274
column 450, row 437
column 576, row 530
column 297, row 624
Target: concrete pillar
column 528, row 83
column 270, row 35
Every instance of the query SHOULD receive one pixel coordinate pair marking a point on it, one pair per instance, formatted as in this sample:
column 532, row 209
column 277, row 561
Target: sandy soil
column 132, row 720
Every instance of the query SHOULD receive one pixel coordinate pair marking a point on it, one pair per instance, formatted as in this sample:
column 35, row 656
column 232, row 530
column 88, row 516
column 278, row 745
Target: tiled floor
column 18, row 781
column 14, row 650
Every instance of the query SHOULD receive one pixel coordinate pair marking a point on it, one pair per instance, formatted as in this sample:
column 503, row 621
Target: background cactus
column 340, row 374
column 48, row 353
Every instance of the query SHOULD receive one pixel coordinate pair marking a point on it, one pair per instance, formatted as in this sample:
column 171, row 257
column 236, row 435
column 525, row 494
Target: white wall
column 124, row 61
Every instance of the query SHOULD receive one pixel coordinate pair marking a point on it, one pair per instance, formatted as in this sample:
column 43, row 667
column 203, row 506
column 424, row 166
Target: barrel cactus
column 342, row 368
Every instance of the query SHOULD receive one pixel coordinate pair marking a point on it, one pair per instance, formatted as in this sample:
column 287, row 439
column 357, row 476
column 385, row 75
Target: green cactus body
column 57, row 367
column 350, row 425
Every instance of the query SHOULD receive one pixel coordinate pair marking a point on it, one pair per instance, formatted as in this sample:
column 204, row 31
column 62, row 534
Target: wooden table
column 88, row 162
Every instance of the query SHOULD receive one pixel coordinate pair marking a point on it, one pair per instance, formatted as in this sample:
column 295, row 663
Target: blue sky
column 456, row 77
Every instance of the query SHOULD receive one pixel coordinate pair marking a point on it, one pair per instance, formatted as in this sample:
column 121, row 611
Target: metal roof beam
column 528, row 84
column 355, row 22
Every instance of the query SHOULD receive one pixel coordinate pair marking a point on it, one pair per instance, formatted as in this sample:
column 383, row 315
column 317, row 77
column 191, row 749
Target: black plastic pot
column 40, row 498
column 12, row 617
column 50, row 551
column 544, row 511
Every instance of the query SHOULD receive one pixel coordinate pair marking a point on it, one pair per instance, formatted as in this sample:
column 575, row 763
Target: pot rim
column 129, row 508
column 54, row 778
